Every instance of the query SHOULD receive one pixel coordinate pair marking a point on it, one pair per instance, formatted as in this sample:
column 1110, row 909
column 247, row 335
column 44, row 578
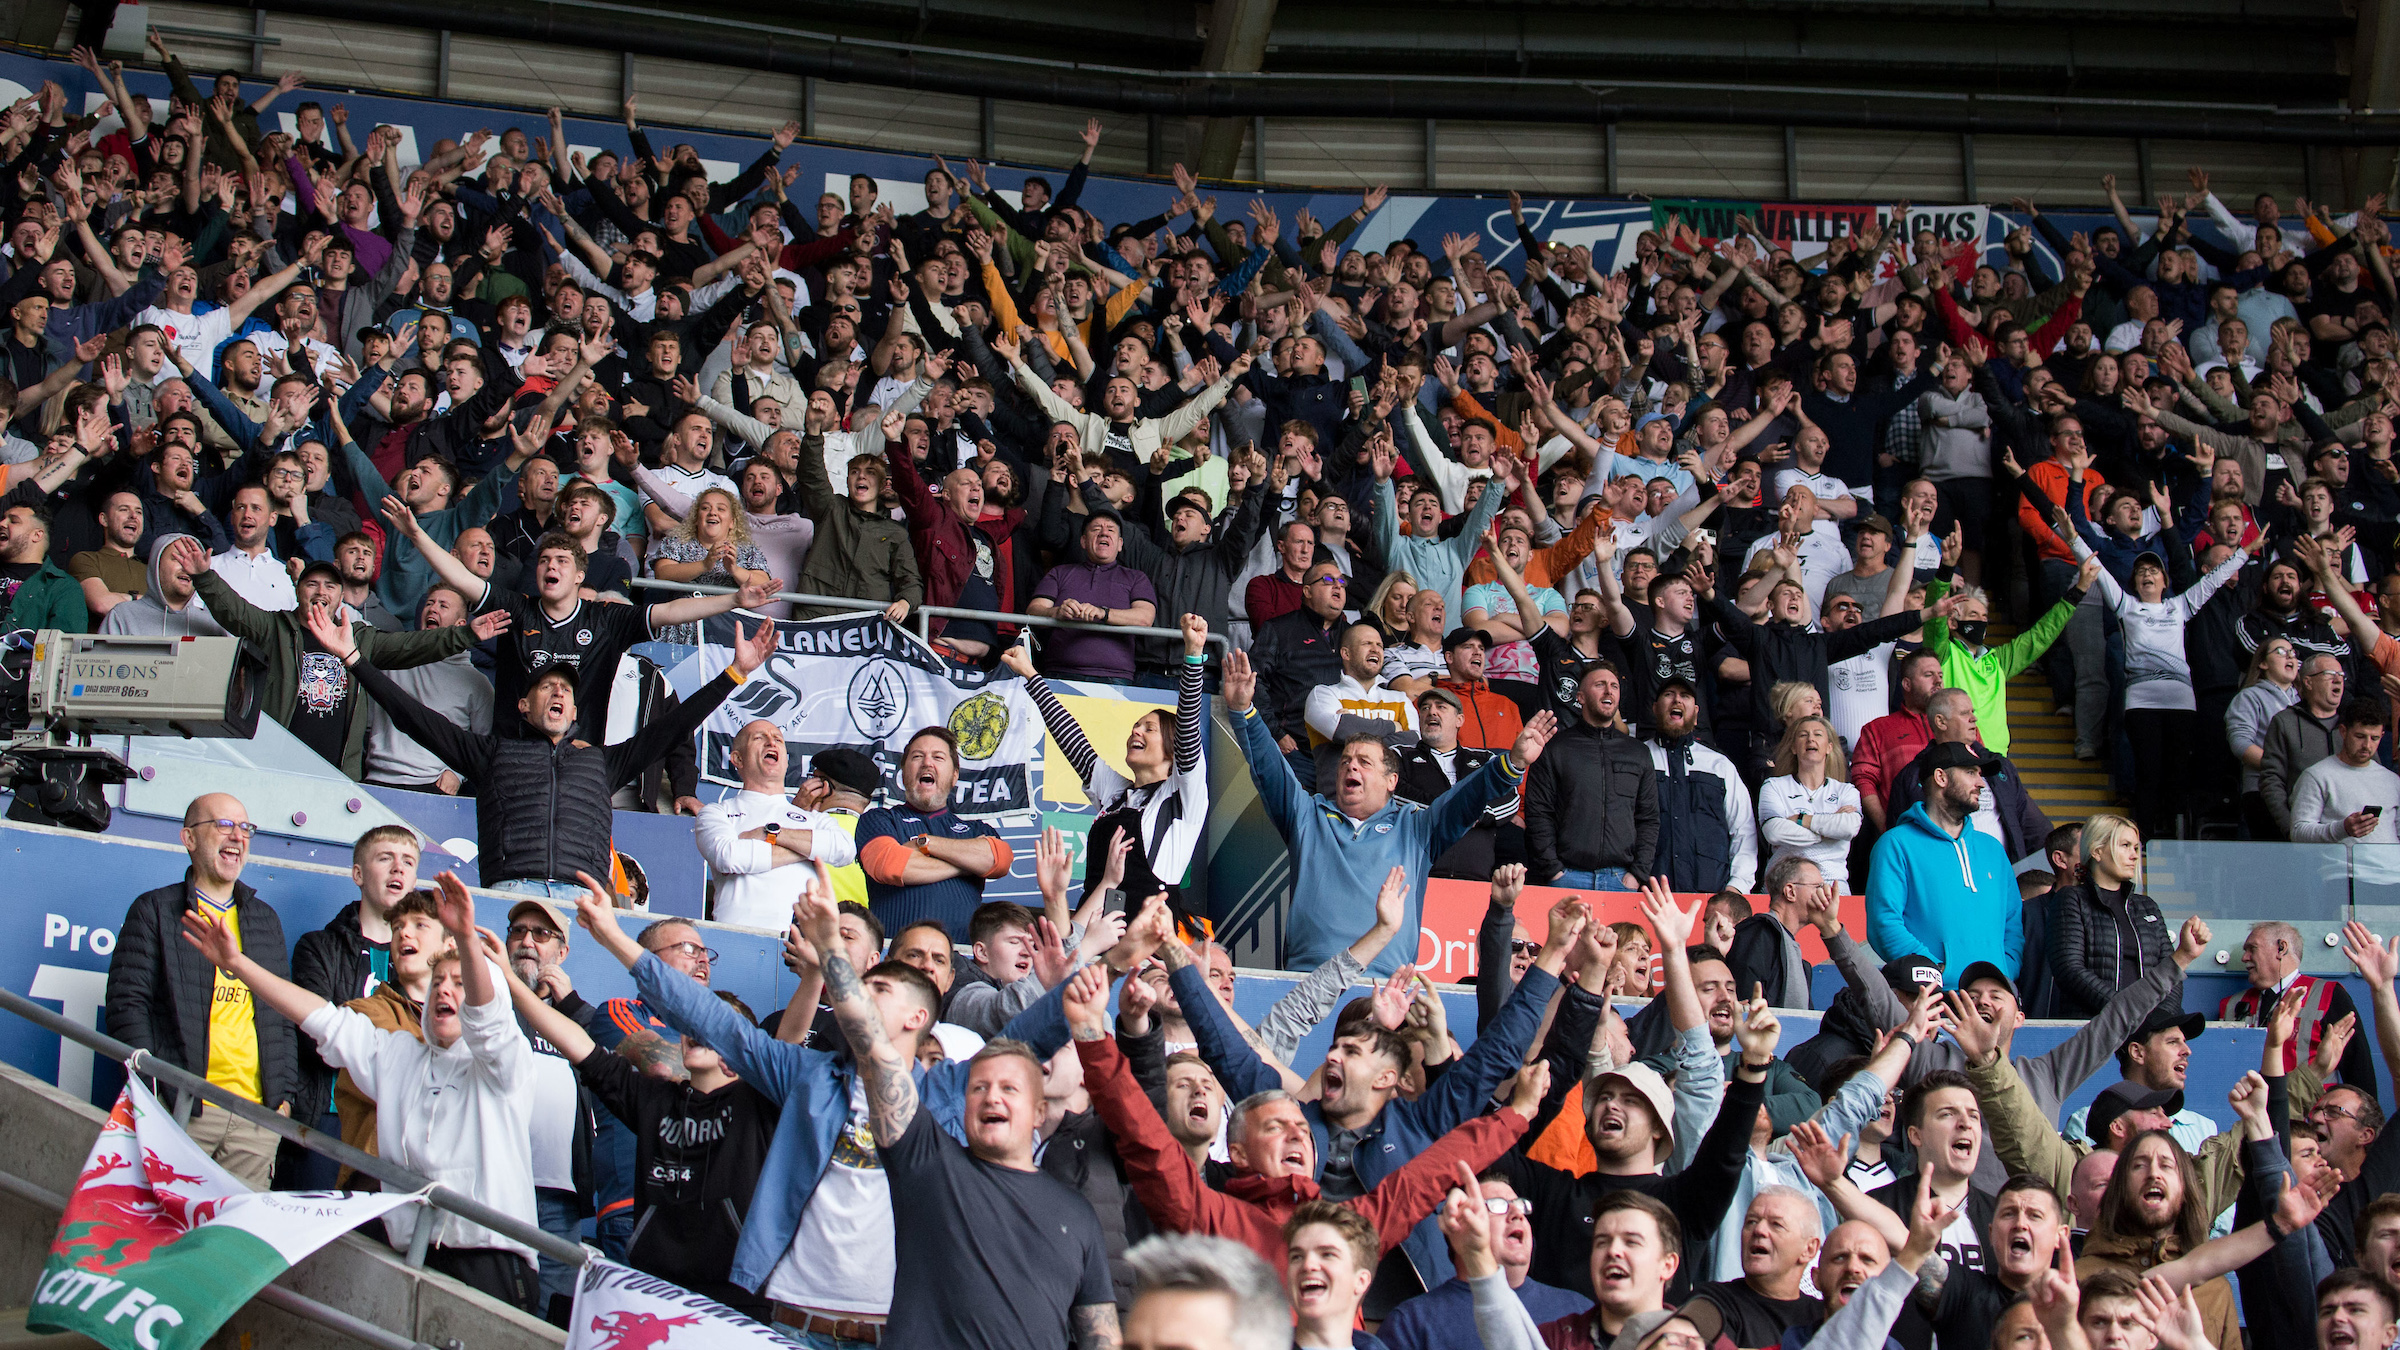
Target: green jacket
column 280, row 635
column 857, row 553
column 50, row 599
column 1985, row 677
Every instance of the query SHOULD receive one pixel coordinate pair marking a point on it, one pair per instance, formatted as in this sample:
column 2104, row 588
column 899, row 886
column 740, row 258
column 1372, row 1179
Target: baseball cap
column 1647, row 418
column 549, row 915
column 1985, row 970
column 847, row 768
column 2162, row 1017
column 2124, row 1096
column 1441, row 695
column 1646, row 1081
column 1912, row 972
column 1674, row 681
column 1461, row 636
column 1956, row 755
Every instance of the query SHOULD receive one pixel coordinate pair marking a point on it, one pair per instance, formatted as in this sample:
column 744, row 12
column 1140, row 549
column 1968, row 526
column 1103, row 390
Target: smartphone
column 2374, row 811
column 1358, row 384
column 1113, row 902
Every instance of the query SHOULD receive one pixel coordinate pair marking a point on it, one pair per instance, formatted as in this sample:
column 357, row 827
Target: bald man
column 165, row 998
column 761, row 847
column 1807, row 555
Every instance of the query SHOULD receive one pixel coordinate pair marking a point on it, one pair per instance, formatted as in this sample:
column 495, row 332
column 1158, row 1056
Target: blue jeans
column 1596, row 879
column 569, row 891
column 616, row 1234
column 555, row 1211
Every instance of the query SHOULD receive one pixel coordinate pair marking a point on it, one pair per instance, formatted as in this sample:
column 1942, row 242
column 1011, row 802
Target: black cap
column 1673, row 681
column 324, row 569
column 2163, row 1017
column 1460, row 636
column 1985, row 970
column 2124, row 1096
column 1912, row 972
column 1956, row 755
column 847, row 768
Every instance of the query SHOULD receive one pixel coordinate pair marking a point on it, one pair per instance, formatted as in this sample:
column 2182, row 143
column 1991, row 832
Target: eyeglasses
column 2333, row 452
column 1522, row 947
column 518, row 931
column 691, row 949
column 2326, row 1109
column 1331, row 581
column 241, row 827
column 1493, row 1204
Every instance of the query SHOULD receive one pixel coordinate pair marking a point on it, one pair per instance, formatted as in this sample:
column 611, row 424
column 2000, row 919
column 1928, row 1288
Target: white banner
column 619, row 1308
column 863, row 683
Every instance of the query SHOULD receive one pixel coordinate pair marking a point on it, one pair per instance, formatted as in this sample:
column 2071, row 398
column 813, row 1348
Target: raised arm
column 224, row 951
column 889, row 1076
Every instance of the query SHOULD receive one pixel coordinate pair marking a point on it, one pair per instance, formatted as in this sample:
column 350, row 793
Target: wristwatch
column 772, row 829
column 924, row 844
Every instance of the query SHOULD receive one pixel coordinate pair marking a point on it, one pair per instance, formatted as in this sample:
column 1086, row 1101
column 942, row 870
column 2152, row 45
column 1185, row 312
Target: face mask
column 1970, row 631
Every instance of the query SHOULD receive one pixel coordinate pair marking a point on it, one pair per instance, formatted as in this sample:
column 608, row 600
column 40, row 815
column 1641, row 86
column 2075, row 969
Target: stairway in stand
column 2043, row 745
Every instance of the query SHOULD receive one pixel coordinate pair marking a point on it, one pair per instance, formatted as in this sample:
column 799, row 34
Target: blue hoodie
column 1949, row 898
column 1338, row 864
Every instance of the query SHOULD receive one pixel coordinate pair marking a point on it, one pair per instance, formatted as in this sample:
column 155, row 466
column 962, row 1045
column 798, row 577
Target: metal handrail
column 273, row 1295
column 393, row 1176
column 855, row 606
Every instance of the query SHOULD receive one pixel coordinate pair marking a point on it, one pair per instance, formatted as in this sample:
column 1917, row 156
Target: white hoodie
column 461, row 1115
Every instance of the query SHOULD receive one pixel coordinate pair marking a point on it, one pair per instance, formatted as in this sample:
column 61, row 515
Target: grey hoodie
column 149, row 616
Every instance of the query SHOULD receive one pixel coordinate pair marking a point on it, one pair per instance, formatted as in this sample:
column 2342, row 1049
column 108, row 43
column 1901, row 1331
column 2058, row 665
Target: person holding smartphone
column 2343, row 797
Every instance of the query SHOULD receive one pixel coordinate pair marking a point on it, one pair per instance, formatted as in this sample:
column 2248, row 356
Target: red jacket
column 945, row 544
column 1885, row 747
column 1491, row 719
column 1251, row 1209
column 1270, row 596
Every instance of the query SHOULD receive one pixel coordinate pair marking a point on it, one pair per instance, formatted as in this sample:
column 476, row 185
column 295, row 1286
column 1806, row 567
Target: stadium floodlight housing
column 80, row 685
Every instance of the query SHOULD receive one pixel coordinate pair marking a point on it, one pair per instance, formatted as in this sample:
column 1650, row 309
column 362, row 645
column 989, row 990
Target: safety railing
column 393, row 1176
column 924, row 614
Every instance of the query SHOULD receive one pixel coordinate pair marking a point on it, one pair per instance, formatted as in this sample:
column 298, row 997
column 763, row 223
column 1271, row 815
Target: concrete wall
column 50, row 1134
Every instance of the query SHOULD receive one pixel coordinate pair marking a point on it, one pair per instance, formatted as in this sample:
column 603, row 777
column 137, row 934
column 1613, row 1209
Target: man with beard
column 1939, row 887
column 113, row 573
column 1707, row 837
column 306, row 687
column 2280, row 611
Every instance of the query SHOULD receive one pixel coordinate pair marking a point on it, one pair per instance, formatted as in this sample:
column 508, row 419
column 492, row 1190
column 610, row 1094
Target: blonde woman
column 1795, row 699
column 1387, row 609
column 1807, row 809
column 710, row 546
column 2105, row 934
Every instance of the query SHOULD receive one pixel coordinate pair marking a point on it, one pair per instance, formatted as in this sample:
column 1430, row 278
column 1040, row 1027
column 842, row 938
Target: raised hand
column 1468, row 1227
column 1668, row 919
column 1085, row 1004
column 1821, row 1158
column 2376, row 962
column 1757, row 1030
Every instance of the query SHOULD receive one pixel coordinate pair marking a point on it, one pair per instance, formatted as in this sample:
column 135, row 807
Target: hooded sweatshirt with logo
column 148, row 616
column 1950, row 898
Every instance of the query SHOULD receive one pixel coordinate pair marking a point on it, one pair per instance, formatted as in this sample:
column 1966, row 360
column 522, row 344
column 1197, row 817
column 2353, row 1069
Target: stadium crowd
column 1685, row 577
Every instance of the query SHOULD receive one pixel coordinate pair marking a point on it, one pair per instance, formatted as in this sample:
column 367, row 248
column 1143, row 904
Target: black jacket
column 2023, row 827
column 337, row 964
column 1591, row 801
column 1293, row 654
column 160, row 988
column 541, row 809
column 1779, row 651
column 1191, row 578
column 1494, row 840
column 2096, row 938
column 1081, row 1154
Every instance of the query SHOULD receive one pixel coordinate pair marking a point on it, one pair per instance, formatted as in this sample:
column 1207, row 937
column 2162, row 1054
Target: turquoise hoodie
column 1949, row 898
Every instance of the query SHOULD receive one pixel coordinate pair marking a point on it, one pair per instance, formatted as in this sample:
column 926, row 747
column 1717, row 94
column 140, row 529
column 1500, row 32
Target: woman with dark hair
column 1162, row 802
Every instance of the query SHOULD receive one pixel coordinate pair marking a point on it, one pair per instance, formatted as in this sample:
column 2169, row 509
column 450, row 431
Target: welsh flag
column 159, row 1245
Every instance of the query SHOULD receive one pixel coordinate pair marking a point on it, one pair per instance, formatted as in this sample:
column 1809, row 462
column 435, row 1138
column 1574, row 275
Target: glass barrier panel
column 2234, row 884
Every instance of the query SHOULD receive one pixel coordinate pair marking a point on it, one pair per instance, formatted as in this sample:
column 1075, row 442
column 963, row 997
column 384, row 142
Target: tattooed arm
column 1095, row 1326
column 654, row 1055
column 890, row 1075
